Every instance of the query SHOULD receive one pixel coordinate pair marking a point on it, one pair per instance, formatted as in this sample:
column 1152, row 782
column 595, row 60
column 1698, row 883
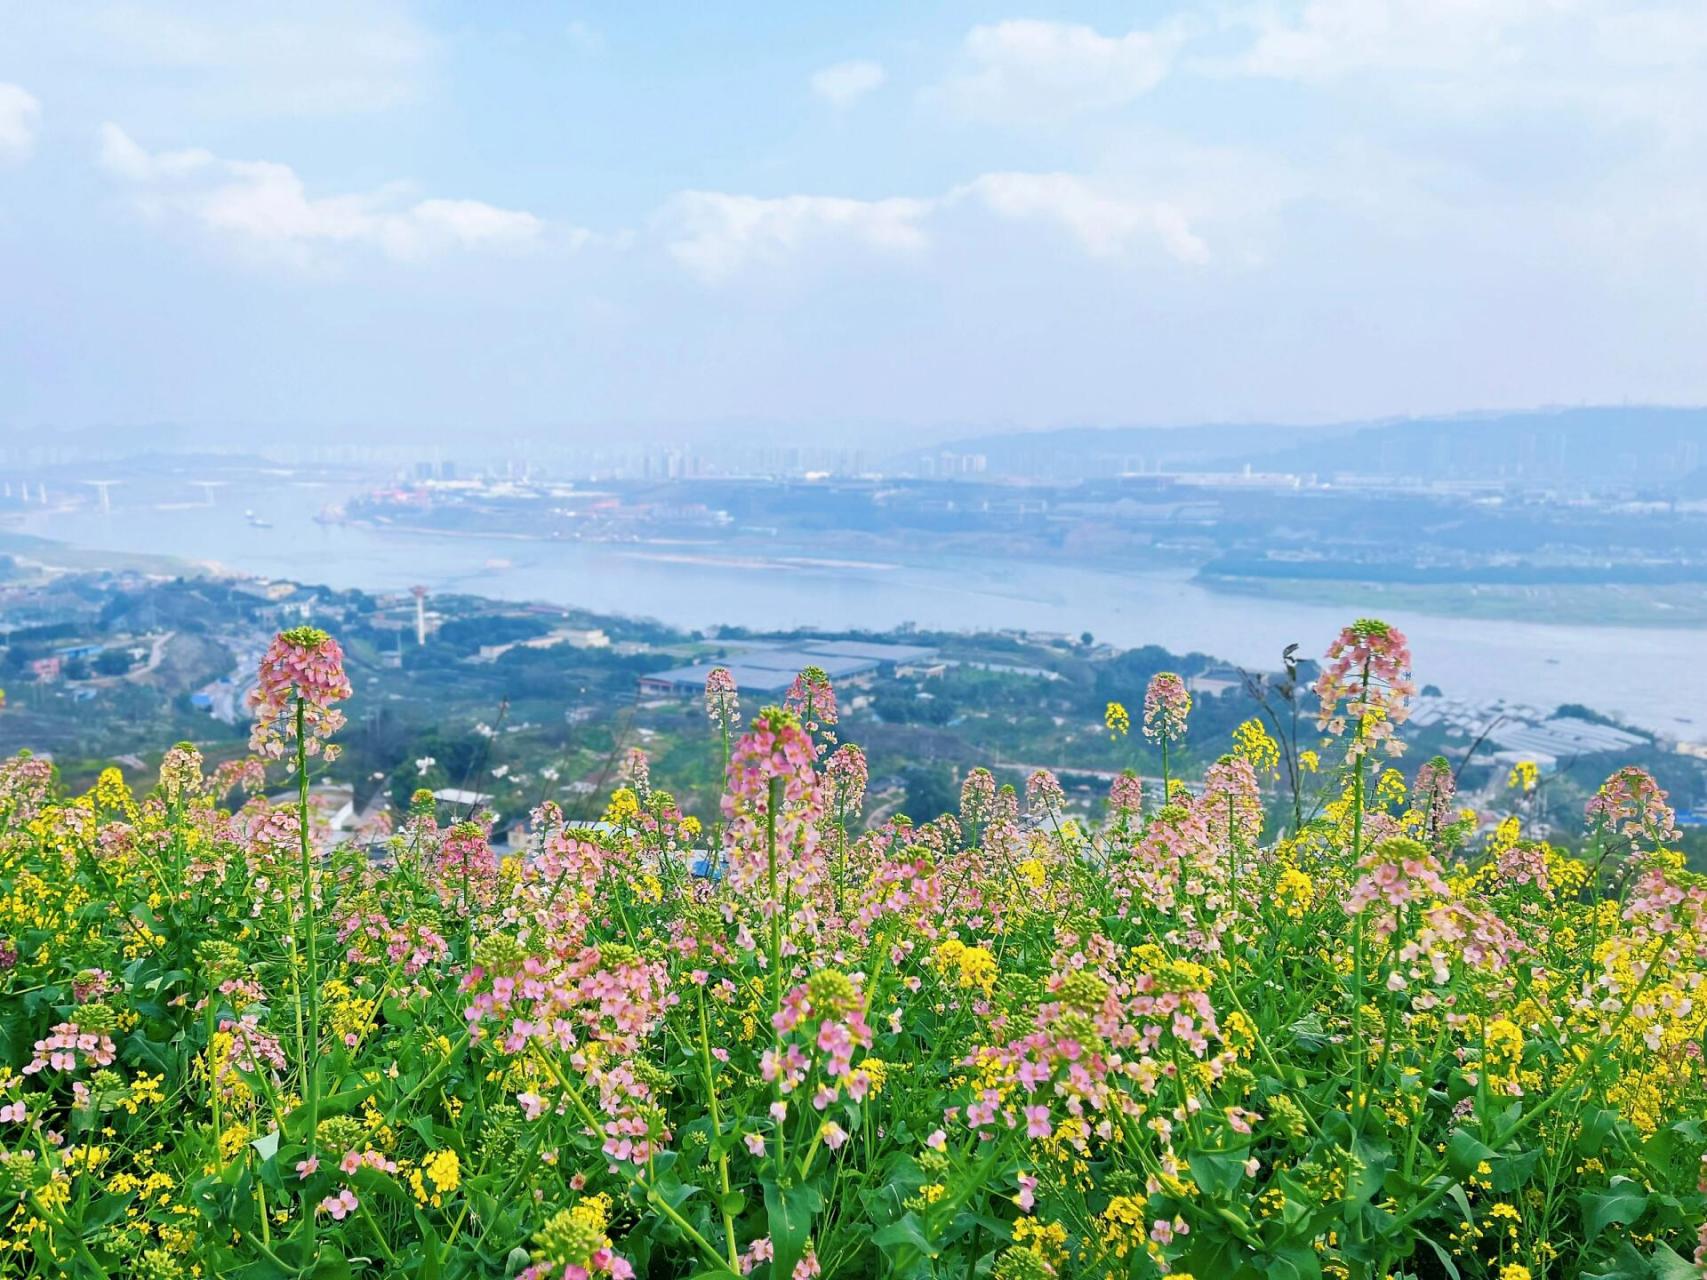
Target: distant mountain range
column 1643, row 447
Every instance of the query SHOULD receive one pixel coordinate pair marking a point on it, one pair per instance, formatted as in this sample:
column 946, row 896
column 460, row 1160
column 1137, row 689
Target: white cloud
column 264, row 206
column 1103, row 224
column 1025, row 70
column 715, row 235
column 1608, row 61
column 20, row 116
column 236, row 59
column 1332, row 38
column 120, row 155
column 846, row 82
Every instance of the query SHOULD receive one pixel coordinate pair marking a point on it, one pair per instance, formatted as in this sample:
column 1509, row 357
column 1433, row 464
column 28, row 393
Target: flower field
column 1190, row 1035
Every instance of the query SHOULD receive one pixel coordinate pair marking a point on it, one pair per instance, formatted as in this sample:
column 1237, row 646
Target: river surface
column 1652, row 677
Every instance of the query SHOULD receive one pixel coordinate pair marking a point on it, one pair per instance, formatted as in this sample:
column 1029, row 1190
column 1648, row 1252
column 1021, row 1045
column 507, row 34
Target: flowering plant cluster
column 1166, row 1040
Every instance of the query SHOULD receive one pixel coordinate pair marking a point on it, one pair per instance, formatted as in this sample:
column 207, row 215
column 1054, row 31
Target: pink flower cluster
column 1524, row 863
column 253, row 1052
column 26, row 782
column 66, row 1045
column 1435, row 789
column 573, row 862
column 1175, row 856
column 812, row 698
column 637, row 772
column 905, row 887
column 1367, row 682
column 608, row 999
column 1231, row 804
column 1660, row 906
column 1044, row 797
column 248, row 773
column 1125, row 796
column 1167, row 704
column 776, row 756
column 466, row 856
column 1396, row 872
column 722, row 703
column 603, row 1261
column 819, row 1026
column 372, row 939
column 846, row 773
column 1101, row 1044
column 181, row 773
column 977, row 798
column 1630, row 804
column 369, row 1159
column 1451, row 932
column 304, row 663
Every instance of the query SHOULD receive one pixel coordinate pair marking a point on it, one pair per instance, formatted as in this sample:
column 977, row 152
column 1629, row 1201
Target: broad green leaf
column 267, row 1145
column 1511, row 1172
column 1623, row 1202
column 906, row 1230
column 1217, row 1173
column 1465, row 1153
column 788, row 1211
column 1669, row 1266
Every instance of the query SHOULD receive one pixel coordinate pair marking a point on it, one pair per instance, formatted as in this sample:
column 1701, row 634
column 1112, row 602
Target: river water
column 1652, row 677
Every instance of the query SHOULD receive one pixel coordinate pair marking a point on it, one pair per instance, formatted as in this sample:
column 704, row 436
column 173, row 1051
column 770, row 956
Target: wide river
column 1653, row 677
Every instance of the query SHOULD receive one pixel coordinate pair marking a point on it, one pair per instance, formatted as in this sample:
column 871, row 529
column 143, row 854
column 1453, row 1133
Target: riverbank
column 1672, row 606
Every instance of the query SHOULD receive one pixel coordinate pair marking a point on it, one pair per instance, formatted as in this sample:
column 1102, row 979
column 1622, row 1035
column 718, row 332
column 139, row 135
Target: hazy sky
column 389, row 215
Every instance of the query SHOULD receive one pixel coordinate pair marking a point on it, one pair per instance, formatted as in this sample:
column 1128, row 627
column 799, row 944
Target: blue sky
column 671, row 220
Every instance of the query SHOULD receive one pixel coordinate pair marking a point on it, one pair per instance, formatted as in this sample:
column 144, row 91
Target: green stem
column 311, row 1045
column 773, row 798
column 717, row 1128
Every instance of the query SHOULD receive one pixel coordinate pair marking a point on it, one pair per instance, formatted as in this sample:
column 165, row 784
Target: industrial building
column 769, row 667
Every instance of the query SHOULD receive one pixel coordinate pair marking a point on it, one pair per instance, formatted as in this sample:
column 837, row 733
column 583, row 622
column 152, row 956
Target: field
column 1181, row 1036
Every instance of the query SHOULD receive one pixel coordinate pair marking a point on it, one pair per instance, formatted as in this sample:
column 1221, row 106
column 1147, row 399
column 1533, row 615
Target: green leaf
column 1623, row 1202
column 905, row 1230
column 789, row 1213
column 1625, row 1264
column 674, row 1192
column 267, row 1145
column 1309, row 1032
column 1669, row 1266
column 1376, row 1162
column 1217, row 1173
column 1597, row 1127
column 1511, row 1172
column 1445, row 1257
column 1466, row 1152
column 1296, row 1262
column 430, row 1266
column 107, row 1209
column 1462, row 1201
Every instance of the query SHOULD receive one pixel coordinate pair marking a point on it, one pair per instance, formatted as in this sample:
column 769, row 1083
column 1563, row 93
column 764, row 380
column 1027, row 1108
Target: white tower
column 420, row 594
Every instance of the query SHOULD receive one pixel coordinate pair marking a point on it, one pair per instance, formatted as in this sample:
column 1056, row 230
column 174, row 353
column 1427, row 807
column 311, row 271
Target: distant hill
column 1590, row 448
column 1593, row 448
